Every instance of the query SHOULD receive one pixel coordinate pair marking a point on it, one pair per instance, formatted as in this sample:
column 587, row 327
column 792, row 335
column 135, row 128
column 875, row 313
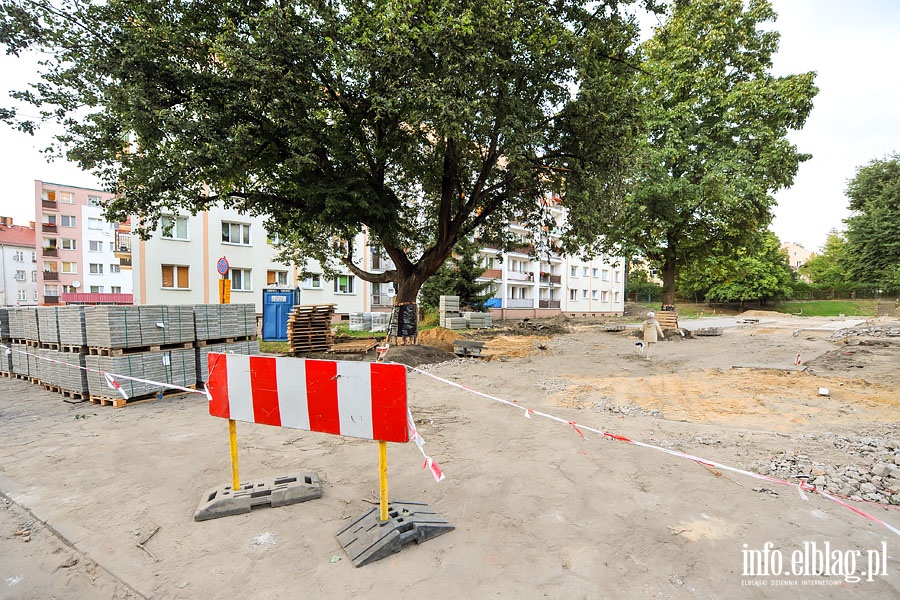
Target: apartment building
column 76, row 248
column 552, row 283
column 18, row 264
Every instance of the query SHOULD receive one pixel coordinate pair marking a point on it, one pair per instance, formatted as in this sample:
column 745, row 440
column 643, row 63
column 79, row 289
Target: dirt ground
column 539, row 511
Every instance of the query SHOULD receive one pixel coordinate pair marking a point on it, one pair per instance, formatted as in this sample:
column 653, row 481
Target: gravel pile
column 873, row 331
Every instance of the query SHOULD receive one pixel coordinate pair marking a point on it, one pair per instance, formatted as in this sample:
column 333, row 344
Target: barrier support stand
column 235, row 474
column 382, row 469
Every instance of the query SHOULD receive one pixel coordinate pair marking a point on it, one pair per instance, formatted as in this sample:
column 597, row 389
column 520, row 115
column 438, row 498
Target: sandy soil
column 539, row 511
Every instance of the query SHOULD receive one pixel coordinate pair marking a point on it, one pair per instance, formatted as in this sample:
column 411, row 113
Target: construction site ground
column 98, row 502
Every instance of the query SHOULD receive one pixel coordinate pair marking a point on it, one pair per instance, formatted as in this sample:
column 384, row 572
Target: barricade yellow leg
column 382, row 471
column 232, row 435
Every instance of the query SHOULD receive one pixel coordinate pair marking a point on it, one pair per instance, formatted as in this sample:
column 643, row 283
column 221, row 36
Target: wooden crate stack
column 668, row 319
column 309, row 328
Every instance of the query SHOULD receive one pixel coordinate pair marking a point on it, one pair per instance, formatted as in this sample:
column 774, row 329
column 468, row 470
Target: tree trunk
column 668, row 272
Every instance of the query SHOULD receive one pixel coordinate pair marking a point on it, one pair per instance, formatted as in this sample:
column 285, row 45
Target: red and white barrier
column 356, row 399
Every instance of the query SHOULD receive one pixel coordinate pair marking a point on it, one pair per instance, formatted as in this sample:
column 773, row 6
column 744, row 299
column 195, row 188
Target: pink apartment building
column 81, row 257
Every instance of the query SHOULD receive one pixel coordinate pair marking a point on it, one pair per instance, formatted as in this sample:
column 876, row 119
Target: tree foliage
column 716, row 147
column 458, row 276
column 420, row 122
column 828, row 268
column 873, row 230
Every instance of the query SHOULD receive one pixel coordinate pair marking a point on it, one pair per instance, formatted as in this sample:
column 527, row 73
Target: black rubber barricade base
column 274, row 492
column 368, row 539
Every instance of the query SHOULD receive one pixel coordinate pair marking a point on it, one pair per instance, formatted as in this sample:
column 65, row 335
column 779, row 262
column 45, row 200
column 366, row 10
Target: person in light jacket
column 652, row 332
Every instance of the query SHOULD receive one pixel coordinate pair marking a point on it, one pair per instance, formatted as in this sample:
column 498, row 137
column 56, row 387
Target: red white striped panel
column 356, row 399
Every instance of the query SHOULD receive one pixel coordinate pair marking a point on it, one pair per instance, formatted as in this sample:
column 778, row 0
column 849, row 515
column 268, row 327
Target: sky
column 853, row 46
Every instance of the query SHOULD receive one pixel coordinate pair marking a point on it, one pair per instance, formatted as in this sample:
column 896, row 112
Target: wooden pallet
column 355, row 346
column 99, row 351
column 9, row 374
column 73, row 349
column 309, row 328
column 668, row 319
column 35, row 380
column 119, row 402
column 51, row 388
column 73, row 397
column 230, row 340
column 49, row 345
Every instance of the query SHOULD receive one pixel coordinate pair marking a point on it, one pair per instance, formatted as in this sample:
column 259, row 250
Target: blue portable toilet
column 277, row 305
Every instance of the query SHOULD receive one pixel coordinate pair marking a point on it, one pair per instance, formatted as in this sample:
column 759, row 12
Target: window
column 95, row 223
column 34, row 257
column 584, row 271
column 22, row 296
column 94, row 200
column 114, row 268
column 573, row 295
column 95, row 246
column 67, row 220
column 618, row 276
column 616, row 296
column 96, row 289
column 584, row 293
column 68, row 244
column 48, row 195
column 19, row 256
column 176, row 277
column 116, row 289
column 594, row 273
column 20, row 275
column 594, row 294
column 313, row 282
column 95, row 269
column 50, row 290
column 49, row 220
column 236, row 233
column 604, row 296
column 573, row 271
column 604, row 276
column 343, row 284
column 112, row 246
column 34, row 276
column 68, row 289
column 273, row 238
column 67, row 198
column 240, row 280
column 35, row 295
column 278, row 278
column 174, row 228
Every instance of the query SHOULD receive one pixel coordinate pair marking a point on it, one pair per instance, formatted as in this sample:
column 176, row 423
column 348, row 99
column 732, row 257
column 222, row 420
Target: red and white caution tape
column 417, row 438
column 801, row 487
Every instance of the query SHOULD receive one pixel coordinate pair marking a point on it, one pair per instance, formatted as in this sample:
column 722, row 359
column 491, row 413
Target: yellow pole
column 235, row 477
column 382, row 471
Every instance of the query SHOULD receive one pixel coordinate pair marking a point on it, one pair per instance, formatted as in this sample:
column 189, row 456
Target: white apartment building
column 553, row 283
column 18, row 264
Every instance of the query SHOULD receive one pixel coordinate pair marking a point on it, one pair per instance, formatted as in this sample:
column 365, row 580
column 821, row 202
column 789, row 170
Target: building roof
column 17, row 235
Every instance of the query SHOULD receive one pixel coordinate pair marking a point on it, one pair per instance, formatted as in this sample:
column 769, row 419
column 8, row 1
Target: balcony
column 88, row 298
column 519, row 276
column 548, row 304
column 48, row 227
column 520, row 303
column 381, row 263
column 492, row 274
column 50, row 204
column 51, row 276
column 51, row 299
column 551, row 279
column 50, row 251
column 123, row 248
column 382, row 300
column 526, row 249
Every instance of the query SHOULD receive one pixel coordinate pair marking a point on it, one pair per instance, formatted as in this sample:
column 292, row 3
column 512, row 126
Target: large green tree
column 873, row 230
column 421, row 121
column 717, row 145
column 756, row 272
column 828, row 267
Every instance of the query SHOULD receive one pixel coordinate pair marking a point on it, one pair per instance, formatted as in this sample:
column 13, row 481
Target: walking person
column 652, row 332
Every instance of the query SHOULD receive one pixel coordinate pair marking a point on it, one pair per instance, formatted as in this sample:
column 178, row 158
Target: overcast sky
column 853, row 46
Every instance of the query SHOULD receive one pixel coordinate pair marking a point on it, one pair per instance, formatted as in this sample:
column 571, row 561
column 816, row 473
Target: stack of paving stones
column 5, row 357
column 449, row 315
column 381, row 321
column 478, row 320
column 360, row 321
column 874, row 474
column 69, row 348
column 250, row 347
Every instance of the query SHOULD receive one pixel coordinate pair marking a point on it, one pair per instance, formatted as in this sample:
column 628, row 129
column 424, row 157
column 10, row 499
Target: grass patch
column 274, row 347
column 828, row 308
